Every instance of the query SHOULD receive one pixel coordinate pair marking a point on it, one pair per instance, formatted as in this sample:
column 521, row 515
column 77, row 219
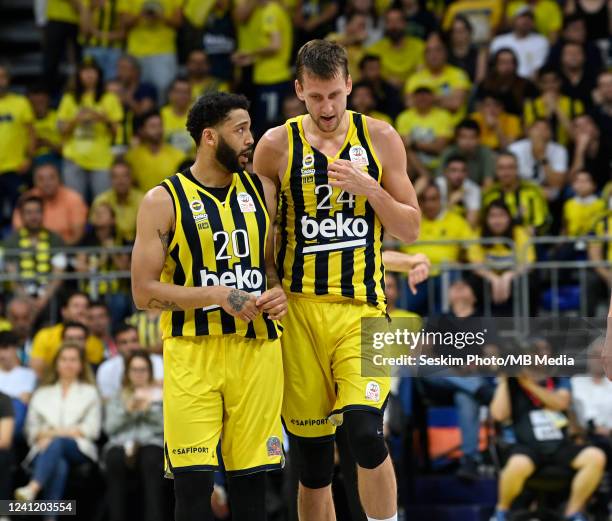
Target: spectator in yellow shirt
column 199, row 76
column 449, row 84
column 123, row 198
column 497, row 127
column 426, row 130
column 450, row 229
column 152, row 160
column 581, row 211
column 174, row 117
column 507, row 263
column 400, row 55
column 49, row 339
column 270, row 58
column 88, row 119
column 48, row 141
column 362, row 100
column 16, row 145
column 151, row 27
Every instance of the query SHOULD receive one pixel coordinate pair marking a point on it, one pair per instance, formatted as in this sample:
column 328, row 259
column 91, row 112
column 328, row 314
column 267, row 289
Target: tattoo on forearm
column 164, row 305
column 237, row 298
column 164, row 237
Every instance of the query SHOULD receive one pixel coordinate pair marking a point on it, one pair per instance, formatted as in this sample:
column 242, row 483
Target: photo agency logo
column 482, row 346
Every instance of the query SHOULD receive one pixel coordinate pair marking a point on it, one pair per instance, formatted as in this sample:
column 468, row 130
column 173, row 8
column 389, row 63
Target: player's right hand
column 240, row 304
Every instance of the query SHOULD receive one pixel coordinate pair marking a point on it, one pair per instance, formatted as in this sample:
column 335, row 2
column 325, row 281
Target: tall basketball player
column 204, row 255
column 341, row 177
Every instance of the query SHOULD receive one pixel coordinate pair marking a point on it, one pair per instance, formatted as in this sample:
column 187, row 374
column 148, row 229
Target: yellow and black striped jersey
column 217, row 243
column 330, row 240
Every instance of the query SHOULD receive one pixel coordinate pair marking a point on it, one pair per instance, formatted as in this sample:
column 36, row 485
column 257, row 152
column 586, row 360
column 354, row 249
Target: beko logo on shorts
column 238, row 278
column 334, row 227
column 344, row 232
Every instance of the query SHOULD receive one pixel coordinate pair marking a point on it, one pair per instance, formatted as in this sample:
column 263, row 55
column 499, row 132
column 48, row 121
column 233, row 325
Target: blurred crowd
column 505, row 109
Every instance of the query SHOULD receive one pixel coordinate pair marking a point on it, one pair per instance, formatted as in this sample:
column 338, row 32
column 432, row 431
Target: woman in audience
column 134, row 425
column 88, row 119
column 463, row 53
column 498, row 224
column 62, row 424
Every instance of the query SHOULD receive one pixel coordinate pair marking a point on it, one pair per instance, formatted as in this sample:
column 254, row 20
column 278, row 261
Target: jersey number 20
column 240, row 244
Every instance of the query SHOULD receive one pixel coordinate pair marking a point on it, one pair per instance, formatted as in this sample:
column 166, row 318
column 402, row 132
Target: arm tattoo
column 237, row 299
column 164, row 237
column 164, row 305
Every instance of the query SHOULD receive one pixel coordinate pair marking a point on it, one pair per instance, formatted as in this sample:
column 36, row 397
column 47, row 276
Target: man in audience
column 32, row 268
column 530, row 47
column 174, row 116
column 199, row 77
column 467, row 392
column 575, row 31
column 123, row 198
column 524, row 199
column 17, row 143
column 537, row 407
column 75, row 333
column 16, row 381
column 450, row 84
column 20, row 313
column 64, row 210
column 479, row 158
column 437, row 225
column 459, row 194
column 602, row 96
column 152, row 160
column 388, row 97
column 578, row 82
column 110, row 373
column 362, row 100
column 137, row 96
column 591, row 151
column 48, row 146
column 151, row 38
column 541, row 160
column 100, row 326
column 498, row 128
column 400, row 55
column 49, row 339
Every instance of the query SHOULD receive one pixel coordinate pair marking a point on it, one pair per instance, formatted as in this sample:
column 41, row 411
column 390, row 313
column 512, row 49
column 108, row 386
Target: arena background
column 505, row 108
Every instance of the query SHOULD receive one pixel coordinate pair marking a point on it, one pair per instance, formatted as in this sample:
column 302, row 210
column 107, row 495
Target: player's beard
column 228, row 157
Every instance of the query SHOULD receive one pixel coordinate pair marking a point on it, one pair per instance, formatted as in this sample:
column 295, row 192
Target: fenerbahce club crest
column 307, row 169
column 199, row 215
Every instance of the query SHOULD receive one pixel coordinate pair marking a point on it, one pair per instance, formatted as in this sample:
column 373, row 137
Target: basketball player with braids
column 341, row 178
column 204, row 255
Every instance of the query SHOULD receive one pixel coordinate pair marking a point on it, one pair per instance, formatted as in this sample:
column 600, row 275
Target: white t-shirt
column 110, row 374
column 471, row 193
column 592, row 400
column 530, row 51
column 556, row 155
column 17, row 381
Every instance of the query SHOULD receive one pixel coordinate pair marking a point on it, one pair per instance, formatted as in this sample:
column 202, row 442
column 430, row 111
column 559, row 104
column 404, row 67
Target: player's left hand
column 346, row 176
column 273, row 302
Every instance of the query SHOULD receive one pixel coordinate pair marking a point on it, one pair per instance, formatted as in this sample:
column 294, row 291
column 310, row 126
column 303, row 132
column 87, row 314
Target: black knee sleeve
column 247, row 496
column 365, row 434
column 314, row 460
column 192, row 491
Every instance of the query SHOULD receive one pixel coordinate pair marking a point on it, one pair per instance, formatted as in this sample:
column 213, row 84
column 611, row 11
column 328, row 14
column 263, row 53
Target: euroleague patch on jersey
column 274, row 446
column 246, row 203
column 372, row 392
column 358, row 156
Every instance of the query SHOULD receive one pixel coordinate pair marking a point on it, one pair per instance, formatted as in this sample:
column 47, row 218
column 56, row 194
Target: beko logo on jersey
column 247, row 279
column 334, row 227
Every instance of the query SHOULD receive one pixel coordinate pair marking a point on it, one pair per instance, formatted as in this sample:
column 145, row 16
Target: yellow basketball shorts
column 226, row 388
column 322, row 363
